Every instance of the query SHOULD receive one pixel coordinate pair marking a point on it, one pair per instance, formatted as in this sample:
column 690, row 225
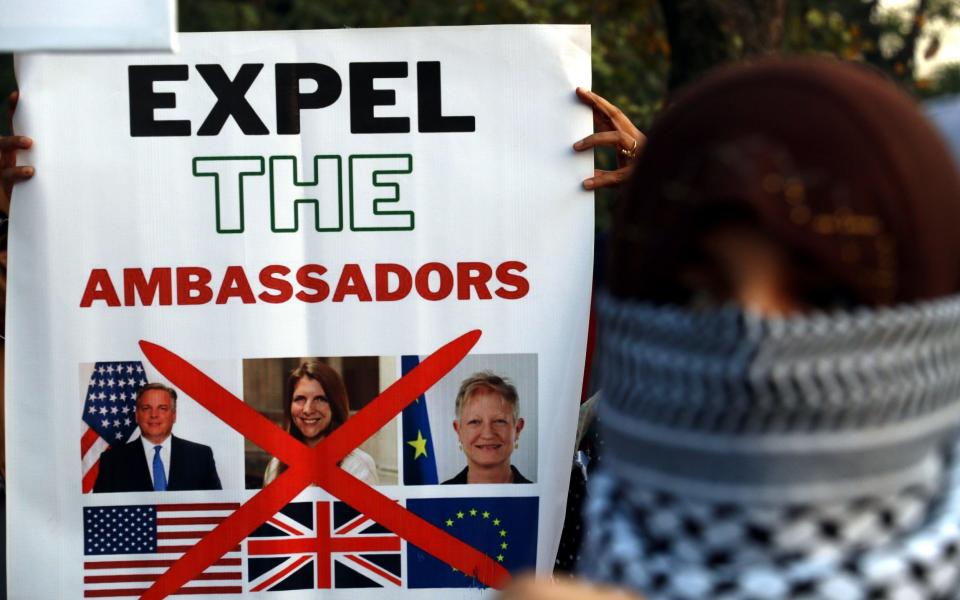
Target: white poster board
column 403, row 203
column 140, row 25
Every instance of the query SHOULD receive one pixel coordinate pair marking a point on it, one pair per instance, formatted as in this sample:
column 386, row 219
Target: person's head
column 315, row 402
column 156, row 411
column 784, row 186
column 788, row 185
column 488, row 421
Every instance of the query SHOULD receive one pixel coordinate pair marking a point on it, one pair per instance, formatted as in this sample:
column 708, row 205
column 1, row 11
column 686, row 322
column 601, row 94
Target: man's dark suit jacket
column 124, row 468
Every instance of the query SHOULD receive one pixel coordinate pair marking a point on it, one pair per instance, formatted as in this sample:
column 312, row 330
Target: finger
column 588, row 98
column 598, row 102
column 603, row 179
column 617, row 139
column 614, row 113
column 584, row 96
column 14, row 142
column 631, row 151
column 528, row 589
column 616, row 116
column 15, row 174
column 8, row 149
column 523, row 587
column 601, row 122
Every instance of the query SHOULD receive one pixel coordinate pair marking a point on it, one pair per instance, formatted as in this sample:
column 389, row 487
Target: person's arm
column 10, row 172
column 614, row 129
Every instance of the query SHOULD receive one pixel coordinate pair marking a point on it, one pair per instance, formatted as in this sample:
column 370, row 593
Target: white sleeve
column 270, row 473
column 360, row 464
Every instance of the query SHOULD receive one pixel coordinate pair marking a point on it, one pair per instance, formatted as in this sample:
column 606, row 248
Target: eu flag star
column 419, row 445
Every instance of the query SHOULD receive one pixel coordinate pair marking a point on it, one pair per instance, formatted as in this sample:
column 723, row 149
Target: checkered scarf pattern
column 748, row 457
column 906, row 545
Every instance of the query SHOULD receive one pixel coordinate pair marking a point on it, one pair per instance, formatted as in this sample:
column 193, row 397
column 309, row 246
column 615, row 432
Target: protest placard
column 360, row 259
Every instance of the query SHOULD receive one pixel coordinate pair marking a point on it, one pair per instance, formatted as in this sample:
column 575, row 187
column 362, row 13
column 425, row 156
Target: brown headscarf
column 828, row 158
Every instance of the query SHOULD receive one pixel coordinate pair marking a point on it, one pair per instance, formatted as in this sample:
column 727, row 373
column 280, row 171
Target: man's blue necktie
column 159, row 477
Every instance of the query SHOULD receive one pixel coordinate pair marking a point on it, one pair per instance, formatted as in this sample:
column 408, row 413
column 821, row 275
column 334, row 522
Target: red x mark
column 318, row 465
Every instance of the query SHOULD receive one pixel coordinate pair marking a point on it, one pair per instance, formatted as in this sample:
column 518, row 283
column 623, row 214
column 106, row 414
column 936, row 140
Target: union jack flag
column 108, row 412
column 310, row 545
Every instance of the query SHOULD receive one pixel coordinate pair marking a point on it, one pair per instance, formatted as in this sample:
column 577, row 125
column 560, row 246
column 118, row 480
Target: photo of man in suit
column 157, row 460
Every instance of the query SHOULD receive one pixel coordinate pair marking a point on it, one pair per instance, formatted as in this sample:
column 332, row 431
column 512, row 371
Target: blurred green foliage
column 629, row 46
column 641, row 48
column 631, row 49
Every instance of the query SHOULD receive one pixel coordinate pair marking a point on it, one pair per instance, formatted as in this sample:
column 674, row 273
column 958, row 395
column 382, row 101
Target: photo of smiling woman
column 315, row 403
column 488, row 425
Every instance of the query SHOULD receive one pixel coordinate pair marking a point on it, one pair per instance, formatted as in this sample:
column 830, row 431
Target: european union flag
column 419, row 463
column 503, row 528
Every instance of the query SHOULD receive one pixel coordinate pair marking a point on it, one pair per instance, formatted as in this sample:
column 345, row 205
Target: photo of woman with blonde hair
column 488, row 425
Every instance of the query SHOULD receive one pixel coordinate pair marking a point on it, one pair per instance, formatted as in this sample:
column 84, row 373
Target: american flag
column 126, row 548
column 108, row 412
column 310, row 545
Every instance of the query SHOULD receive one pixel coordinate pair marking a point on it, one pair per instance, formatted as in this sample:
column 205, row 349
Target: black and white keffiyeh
column 778, row 458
